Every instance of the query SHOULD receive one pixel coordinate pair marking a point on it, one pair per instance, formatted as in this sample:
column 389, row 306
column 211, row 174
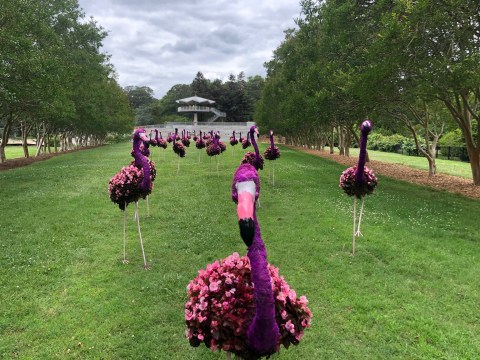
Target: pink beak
column 245, row 207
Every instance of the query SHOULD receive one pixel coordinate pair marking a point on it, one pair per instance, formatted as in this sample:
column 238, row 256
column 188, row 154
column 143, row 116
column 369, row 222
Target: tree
column 139, row 96
column 436, row 46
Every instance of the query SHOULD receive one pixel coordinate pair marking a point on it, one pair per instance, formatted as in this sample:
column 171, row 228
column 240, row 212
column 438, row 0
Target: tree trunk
column 5, row 135
column 332, row 140
column 25, row 130
column 475, row 165
column 462, row 113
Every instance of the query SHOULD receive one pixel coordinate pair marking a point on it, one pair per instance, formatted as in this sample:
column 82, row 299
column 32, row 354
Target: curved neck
column 263, row 331
column 271, row 141
column 254, row 143
column 359, row 174
column 156, row 135
column 141, row 161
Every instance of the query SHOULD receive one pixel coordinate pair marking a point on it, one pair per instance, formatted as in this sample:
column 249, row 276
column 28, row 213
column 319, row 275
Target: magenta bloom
column 272, row 153
column 179, row 148
column 221, row 306
column 351, row 187
column 249, row 158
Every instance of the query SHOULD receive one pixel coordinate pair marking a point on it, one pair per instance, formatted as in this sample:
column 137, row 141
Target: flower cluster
column 351, row 188
column 186, row 141
column 221, row 306
column 233, row 141
column 250, row 158
column 272, row 153
column 169, row 138
column 195, row 138
column 179, row 148
column 245, row 143
column 124, row 187
column 151, row 165
column 213, row 149
column 200, row 144
column 222, row 145
column 162, row 143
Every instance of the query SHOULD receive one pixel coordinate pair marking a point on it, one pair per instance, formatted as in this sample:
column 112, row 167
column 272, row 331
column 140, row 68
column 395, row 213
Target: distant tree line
column 55, row 84
column 236, row 97
column 411, row 66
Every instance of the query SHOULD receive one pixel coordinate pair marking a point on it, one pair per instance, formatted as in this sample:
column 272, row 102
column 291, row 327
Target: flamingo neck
column 141, row 161
column 359, row 174
column 254, row 143
column 271, row 141
column 263, row 331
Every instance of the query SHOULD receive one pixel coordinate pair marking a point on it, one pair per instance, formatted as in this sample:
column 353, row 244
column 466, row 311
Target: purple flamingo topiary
column 161, row 142
column 214, row 149
column 233, row 142
column 132, row 183
column 241, row 304
column 246, row 141
column 178, row 148
column 272, row 153
column 185, row 139
column 200, row 144
column 359, row 180
column 253, row 158
column 152, row 141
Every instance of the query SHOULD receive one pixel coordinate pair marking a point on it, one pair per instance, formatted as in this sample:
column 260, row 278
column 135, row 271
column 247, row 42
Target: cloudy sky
column 160, row 43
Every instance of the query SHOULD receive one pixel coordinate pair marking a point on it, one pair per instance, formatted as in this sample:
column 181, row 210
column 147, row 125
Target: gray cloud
column 163, row 43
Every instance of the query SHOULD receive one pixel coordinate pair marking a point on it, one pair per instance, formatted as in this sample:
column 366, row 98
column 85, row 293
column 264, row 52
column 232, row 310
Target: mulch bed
column 443, row 182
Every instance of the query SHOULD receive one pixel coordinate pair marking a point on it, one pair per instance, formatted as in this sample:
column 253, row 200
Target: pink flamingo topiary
column 241, row 304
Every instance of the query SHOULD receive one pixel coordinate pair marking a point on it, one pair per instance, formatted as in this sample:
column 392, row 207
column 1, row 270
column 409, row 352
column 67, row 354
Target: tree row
column 411, row 66
column 55, row 84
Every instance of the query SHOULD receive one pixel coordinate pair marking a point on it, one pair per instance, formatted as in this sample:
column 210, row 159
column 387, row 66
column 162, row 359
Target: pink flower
column 214, row 286
column 290, row 327
column 303, row 300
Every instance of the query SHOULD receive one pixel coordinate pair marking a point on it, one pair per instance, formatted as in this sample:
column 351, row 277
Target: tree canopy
column 408, row 62
column 53, row 76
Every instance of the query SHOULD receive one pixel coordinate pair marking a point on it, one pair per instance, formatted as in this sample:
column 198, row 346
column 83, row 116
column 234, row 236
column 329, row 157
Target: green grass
column 13, row 152
column 450, row 167
column 411, row 291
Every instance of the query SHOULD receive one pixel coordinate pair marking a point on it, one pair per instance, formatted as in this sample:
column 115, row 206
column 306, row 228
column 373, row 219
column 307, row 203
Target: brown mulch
column 19, row 162
column 444, row 182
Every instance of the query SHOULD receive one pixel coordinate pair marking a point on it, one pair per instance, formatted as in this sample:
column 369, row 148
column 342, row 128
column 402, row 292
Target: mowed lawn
column 410, row 292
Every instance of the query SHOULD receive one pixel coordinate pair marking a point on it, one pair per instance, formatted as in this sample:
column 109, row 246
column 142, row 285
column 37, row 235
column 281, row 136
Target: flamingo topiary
column 132, row 183
column 241, row 304
column 253, row 158
column 233, row 142
column 214, row 149
column 272, row 153
column 185, row 139
column 200, row 144
column 359, row 180
column 160, row 140
column 246, row 141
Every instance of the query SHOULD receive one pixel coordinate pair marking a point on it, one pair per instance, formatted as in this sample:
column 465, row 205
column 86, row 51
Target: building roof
column 196, row 100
